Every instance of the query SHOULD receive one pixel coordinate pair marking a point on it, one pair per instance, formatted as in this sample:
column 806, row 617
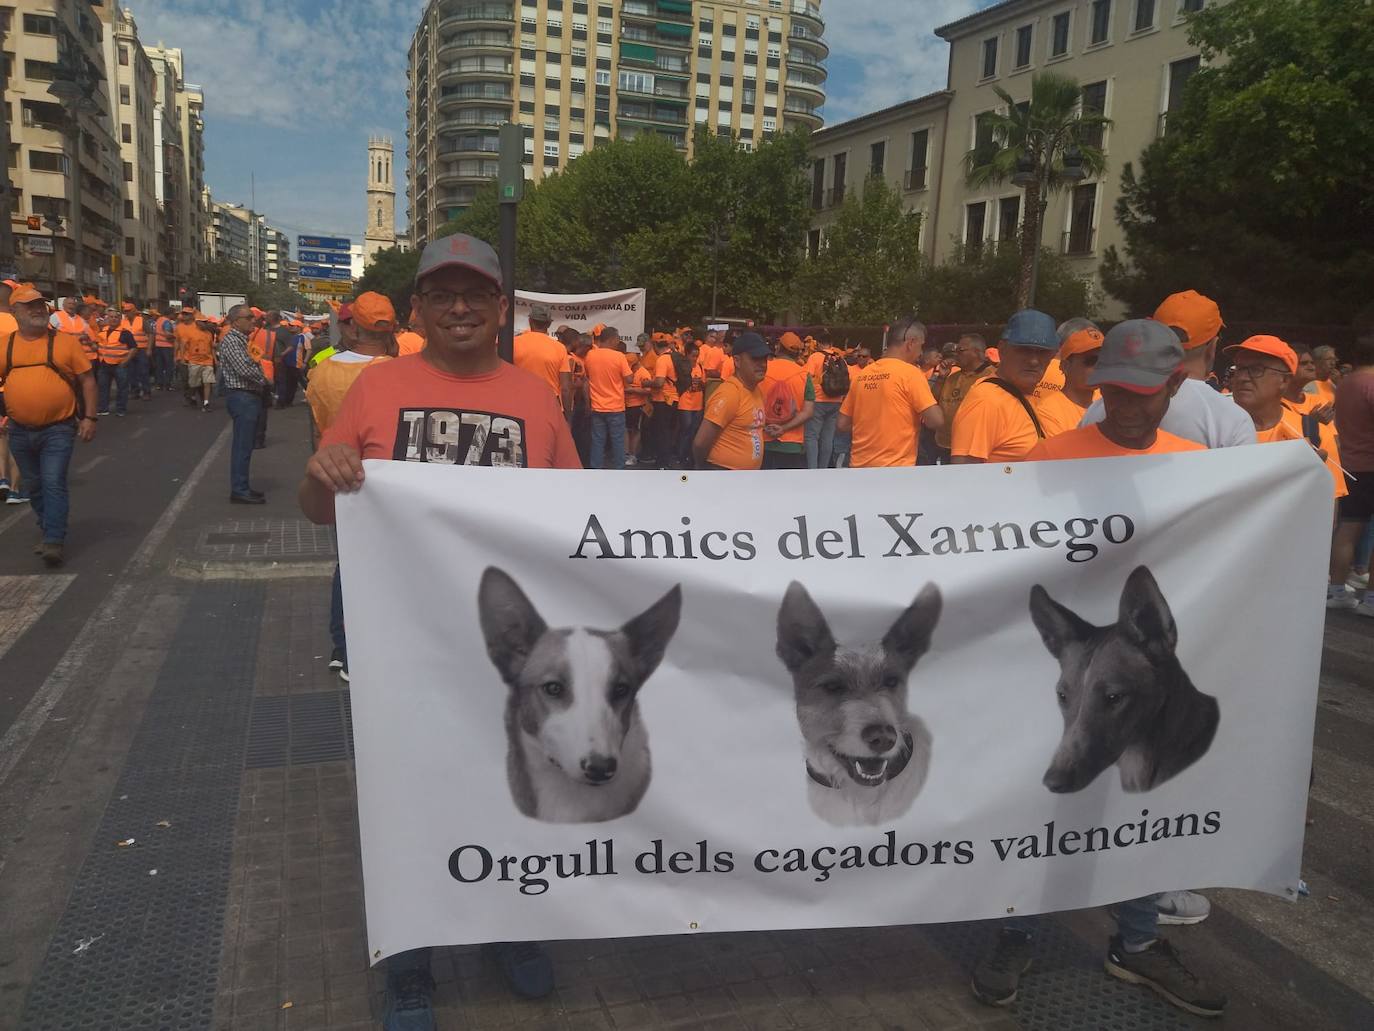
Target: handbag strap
column 1015, row 392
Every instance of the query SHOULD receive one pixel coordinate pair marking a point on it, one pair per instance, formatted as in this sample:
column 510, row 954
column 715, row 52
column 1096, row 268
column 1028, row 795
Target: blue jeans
column 139, row 366
column 244, row 407
column 687, row 425
column 43, row 456
column 839, row 453
column 608, row 429
column 820, row 435
column 1137, row 921
column 163, row 363
column 119, row 376
column 336, row 613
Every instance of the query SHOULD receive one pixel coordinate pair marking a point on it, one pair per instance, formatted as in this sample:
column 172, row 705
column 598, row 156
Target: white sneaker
column 630, row 461
column 1357, row 581
column 1341, row 597
column 1365, row 608
column 1182, row 907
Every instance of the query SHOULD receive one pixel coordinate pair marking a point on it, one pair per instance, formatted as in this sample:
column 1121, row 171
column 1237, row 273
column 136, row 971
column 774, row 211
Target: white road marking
column 23, row 600
column 83, row 469
column 138, row 432
column 93, row 637
column 20, row 512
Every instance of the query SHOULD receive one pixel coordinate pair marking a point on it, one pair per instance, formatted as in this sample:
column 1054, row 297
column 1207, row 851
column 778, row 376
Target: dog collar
column 894, row 770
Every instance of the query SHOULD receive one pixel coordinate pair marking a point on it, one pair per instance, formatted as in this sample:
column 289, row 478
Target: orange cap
column 1194, row 314
column 128, row 306
column 994, row 356
column 374, row 311
column 26, row 293
column 1081, row 342
column 790, row 342
column 598, row 329
column 1273, row 347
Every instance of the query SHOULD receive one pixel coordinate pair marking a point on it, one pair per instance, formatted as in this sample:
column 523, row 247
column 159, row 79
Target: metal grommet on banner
column 684, row 479
column 1006, row 469
column 693, row 926
column 1011, row 909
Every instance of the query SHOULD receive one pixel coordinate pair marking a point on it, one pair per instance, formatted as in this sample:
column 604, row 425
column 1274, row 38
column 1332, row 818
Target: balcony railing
column 916, row 179
column 1079, row 241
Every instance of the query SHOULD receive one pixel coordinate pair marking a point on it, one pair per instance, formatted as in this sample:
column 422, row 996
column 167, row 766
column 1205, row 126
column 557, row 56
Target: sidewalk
column 185, row 852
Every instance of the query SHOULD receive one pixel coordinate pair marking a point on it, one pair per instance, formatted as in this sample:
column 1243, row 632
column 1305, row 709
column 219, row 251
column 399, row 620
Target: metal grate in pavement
column 139, row 942
column 266, row 539
column 1066, row 988
column 292, row 730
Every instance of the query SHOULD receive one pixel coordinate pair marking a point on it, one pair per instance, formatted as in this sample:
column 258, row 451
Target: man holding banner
column 454, row 403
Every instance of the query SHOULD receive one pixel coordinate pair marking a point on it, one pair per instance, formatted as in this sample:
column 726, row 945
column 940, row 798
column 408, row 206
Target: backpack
column 49, row 363
column 682, row 371
column 835, row 376
column 779, row 403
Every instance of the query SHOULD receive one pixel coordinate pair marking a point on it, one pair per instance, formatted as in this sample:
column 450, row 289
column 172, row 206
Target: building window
column 38, row 25
column 1080, row 236
column 126, row 132
column 124, row 94
column 974, row 226
column 989, row 57
column 603, row 78
column 1024, row 36
column 877, row 158
column 550, row 150
column 818, row 183
column 1102, row 21
column 920, row 159
column 128, row 209
column 1144, row 15
column 1059, row 35
column 1094, row 103
column 1190, row 6
column 839, row 165
column 1179, row 74
column 1008, row 218
column 129, row 173
column 130, row 249
column 124, row 56
column 47, row 161
column 40, row 71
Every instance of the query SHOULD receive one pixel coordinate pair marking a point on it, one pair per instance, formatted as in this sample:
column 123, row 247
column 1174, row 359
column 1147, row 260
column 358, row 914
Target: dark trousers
column 244, row 406
column 581, row 426
column 139, row 368
column 661, row 429
column 163, row 363
column 260, row 430
column 687, row 425
column 43, row 456
column 119, row 376
column 336, row 613
column 784, row 459
column 287, row 381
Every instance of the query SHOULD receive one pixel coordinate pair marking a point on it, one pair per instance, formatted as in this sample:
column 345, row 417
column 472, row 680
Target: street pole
column 8, row 262
column 510, row 181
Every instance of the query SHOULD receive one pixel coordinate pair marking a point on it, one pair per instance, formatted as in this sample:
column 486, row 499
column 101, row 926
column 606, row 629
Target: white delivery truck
column 219, row 304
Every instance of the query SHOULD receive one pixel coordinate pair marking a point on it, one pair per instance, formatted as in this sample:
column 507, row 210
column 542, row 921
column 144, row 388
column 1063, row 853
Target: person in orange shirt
column 637, row 403
column 197, row 337
column 117, row 351
column 1262, row 369
column 1139, row 368
column 541, row 354
column 890, row 401
column 688, row 378
column 711, row 356
column 731, row 433
column 1061, row 406
column 789, row 397
column 1324, row 385
column 665, row 398
column 996, row 422
column 820, row 431
column 580, row 421
column 1298, row 397
column 965, row 367
column 608, row 376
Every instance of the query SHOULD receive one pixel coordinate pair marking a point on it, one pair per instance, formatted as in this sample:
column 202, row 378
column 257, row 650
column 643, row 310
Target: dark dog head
column 852, row 702
column 1113, row 680
column 574, row 690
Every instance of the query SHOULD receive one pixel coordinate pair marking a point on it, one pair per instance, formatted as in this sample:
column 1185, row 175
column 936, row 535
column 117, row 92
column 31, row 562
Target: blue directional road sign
column 322, row 243
column 324, row 257
column 325, row 272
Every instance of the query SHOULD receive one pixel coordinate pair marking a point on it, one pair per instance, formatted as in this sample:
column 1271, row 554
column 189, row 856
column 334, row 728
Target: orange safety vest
column 140, row 331
column 76, row 326
column 112, row 349
column 166, row 333
column 260, row 350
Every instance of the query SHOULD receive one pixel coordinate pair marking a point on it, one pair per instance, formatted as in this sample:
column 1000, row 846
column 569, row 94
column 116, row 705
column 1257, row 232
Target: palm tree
column 1045, row 145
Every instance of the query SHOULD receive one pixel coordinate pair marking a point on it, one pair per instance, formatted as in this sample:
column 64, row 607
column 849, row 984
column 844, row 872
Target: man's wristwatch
column 88, row 418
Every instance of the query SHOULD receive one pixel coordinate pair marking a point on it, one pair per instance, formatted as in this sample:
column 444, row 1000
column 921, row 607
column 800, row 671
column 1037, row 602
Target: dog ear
column 509, row 621
column 1058, row 626
column 649, row 632
column 1145, row 617
column 909, row 637
column 802, row 630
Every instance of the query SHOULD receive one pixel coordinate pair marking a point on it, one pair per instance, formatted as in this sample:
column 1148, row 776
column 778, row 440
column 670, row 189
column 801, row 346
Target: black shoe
column 247, row 499
column 1160, row 969
column 256, row 494
column 997, row 977
column 526, row 967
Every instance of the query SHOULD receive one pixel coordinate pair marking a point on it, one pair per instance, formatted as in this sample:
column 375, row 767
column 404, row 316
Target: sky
column 294, row 89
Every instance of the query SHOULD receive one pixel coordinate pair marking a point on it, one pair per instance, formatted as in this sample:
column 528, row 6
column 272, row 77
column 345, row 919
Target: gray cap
column 1140, row 355
column 540, row 313
column 460, row 251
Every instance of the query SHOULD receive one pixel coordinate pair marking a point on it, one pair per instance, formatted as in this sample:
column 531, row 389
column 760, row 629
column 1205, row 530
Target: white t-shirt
column 1197, row 413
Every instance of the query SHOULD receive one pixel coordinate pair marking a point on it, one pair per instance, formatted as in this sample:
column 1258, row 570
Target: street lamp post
column 1034, row 168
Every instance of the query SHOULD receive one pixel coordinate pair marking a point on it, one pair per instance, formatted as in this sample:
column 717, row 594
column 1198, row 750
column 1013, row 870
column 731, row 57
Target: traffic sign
column 323, row 243
column 332, row 287
column 326, row 272
column 324, row 257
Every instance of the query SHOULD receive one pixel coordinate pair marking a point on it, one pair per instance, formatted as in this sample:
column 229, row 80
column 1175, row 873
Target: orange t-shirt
column 992, row 425
column 738, row 411
column 409, row 411
column 885, row 401
column 815, row 365
column 409, row 342
column 663, row 369
column 1324, row 390
column 330, row 381
column 607, row 369
column 1289, row 427
column 710, row 358
column 727, row 367
column 1058, row 414
column 693, row 398
column 1052, row 382
column 544, row 356
column 643, row 379
column 785, row 372
column 197, row 345
column 34, row 394
column 1089, row 442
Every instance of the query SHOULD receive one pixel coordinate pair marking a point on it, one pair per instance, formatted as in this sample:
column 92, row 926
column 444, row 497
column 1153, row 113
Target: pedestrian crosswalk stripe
column 23, row 600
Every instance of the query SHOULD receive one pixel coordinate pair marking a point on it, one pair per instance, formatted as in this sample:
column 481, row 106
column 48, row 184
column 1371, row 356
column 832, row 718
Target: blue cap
column 751, row 344
column 1031, row 328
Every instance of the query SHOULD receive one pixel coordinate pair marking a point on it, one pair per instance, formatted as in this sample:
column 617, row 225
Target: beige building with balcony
column 1132, row 58
column 181, row 167
column 574, row 72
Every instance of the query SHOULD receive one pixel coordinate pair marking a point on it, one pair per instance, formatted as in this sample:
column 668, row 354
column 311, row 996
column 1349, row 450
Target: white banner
column 623, row 309
column 592, row 704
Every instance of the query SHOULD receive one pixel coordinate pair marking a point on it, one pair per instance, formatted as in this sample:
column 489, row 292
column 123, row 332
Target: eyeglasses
column 472, row 298
column 1254, row 373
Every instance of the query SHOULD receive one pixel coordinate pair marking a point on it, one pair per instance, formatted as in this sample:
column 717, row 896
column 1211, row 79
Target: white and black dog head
column 573, row 690
column 852, row 702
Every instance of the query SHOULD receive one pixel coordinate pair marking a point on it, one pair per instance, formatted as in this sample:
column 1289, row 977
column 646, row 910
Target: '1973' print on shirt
column 444, row 436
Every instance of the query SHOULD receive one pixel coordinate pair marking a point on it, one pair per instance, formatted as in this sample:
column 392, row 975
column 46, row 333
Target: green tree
column 1258, row 195
column 223, row 277
column 1036, row 134
column 868, row 268
column 391, row 273
column 979, row 286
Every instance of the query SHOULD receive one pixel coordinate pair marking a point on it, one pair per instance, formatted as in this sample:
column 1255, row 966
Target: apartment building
column 231, row 235
column 1132, row 58
column 63, row 158
column 574, row 72
column 275, row 258
column 180, row 170
column 132, row 86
